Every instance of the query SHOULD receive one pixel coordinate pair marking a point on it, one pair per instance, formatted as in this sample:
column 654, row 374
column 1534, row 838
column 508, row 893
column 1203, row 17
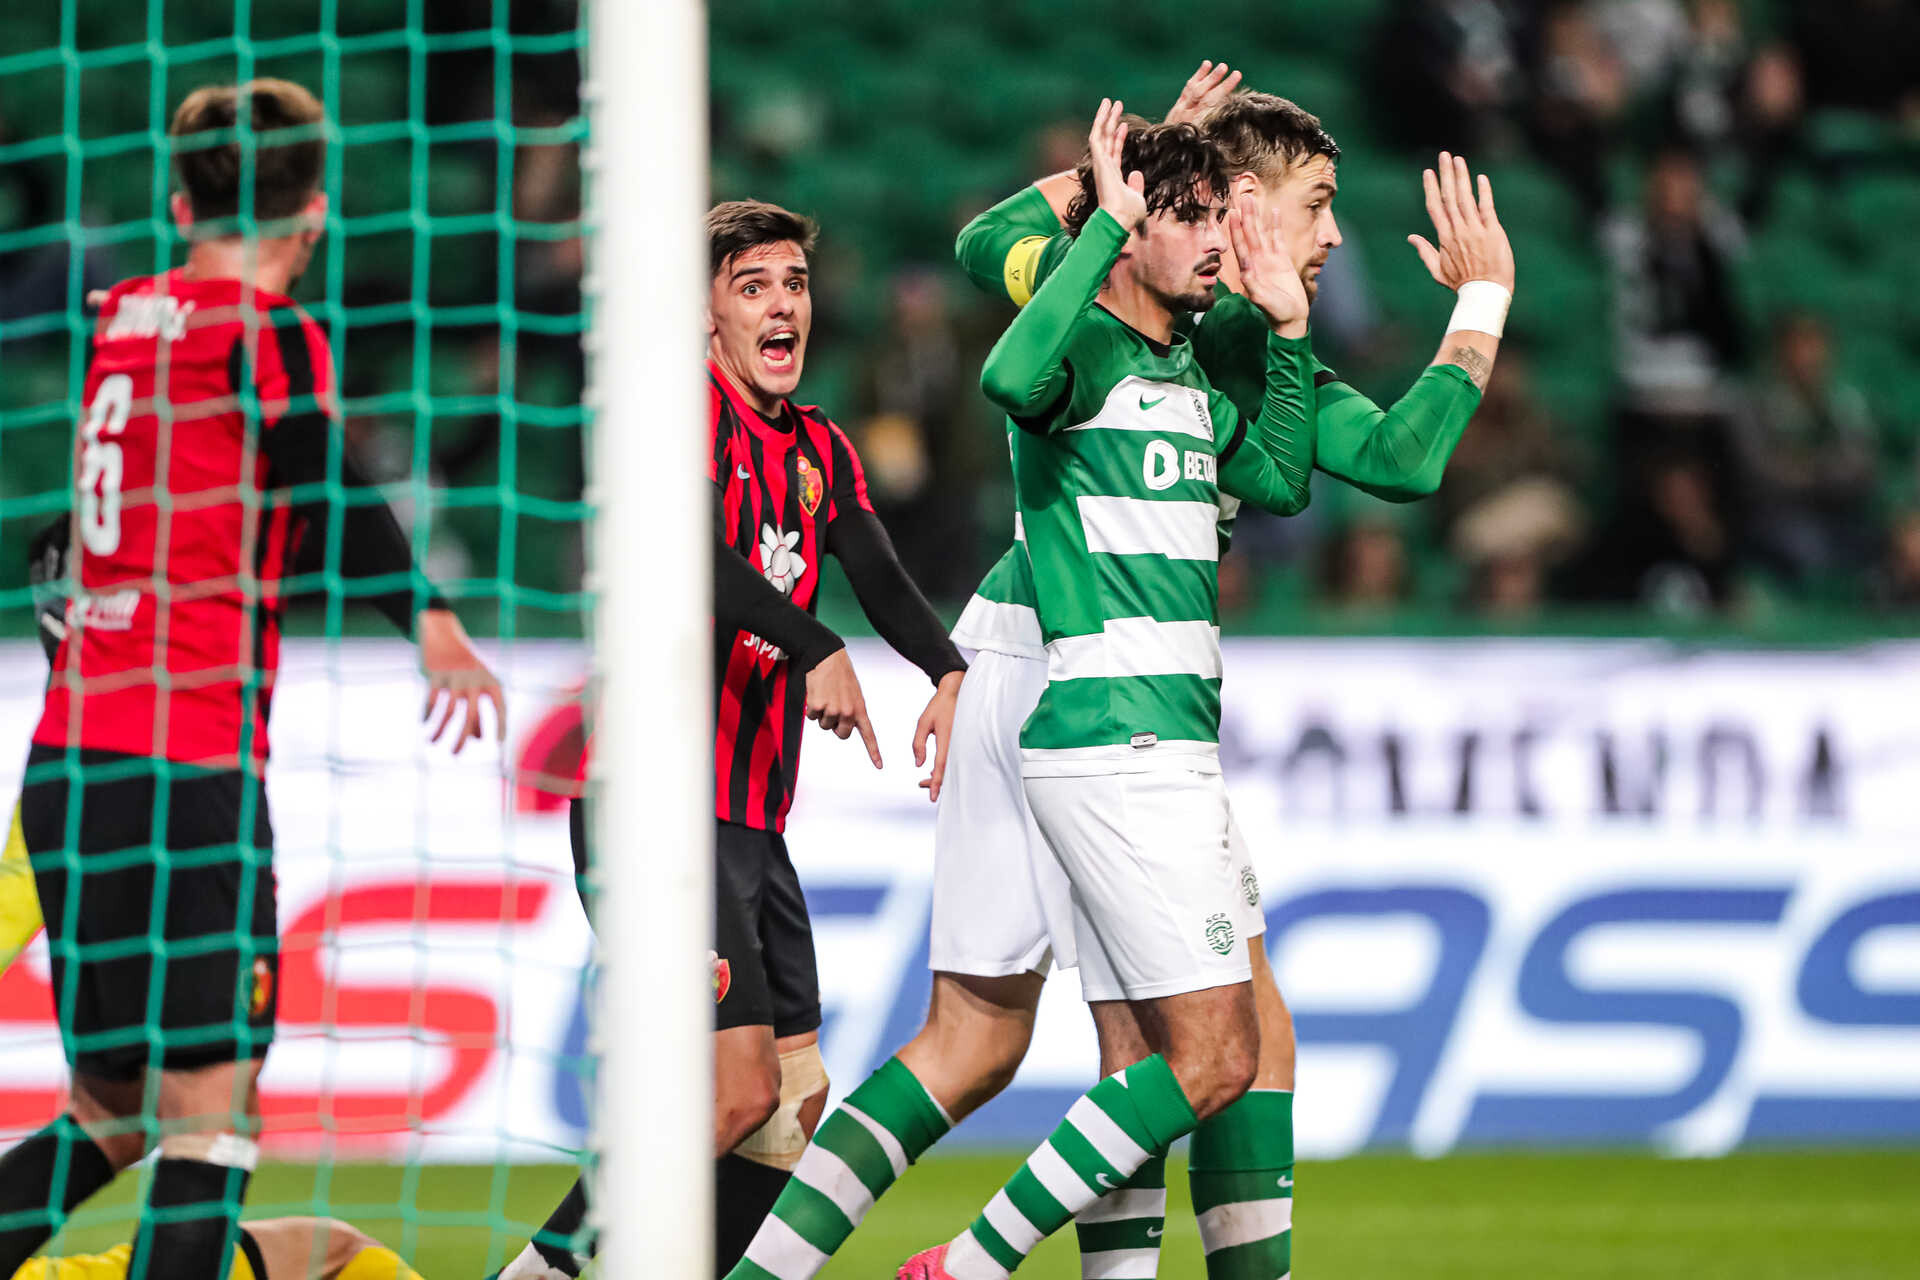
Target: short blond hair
column 1265, row 135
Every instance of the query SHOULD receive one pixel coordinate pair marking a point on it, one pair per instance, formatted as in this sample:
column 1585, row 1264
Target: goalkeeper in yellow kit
column 271, row 1248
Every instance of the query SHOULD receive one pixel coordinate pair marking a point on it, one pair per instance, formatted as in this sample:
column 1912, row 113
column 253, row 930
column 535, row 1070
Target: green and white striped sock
column 1241, row 1172
column 1124, row 1121
column 860, row 1148
column 1120, row 1233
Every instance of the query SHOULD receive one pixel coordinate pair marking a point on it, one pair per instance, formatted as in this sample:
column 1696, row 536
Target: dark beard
column 1198, row 300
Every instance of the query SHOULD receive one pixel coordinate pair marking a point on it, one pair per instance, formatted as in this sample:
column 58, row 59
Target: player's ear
column 1243, row 184
column 314, row 218
column 181, row 210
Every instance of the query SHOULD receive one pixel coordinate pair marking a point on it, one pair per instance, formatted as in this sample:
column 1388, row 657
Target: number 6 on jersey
column 101, row 465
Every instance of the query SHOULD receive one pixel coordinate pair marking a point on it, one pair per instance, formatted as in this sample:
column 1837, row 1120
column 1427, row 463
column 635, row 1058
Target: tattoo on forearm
column 1478, row 367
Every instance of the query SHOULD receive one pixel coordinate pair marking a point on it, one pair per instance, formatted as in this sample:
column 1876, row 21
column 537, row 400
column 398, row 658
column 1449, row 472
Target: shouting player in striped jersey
column 989, row 965
column 207, row 452
column 789, row 490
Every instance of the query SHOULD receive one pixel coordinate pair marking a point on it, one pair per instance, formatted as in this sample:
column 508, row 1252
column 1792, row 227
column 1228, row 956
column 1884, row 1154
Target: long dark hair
column 1177, row 161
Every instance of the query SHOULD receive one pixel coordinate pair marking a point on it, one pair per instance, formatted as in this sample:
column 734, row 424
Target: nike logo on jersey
column 1146, row 404
column 742, row 472
column 1101, row 1178
column 1286, row 1182
column 1154, row 1233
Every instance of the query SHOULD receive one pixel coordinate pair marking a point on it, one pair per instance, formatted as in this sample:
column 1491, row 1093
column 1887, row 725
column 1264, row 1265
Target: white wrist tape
column 1482, row 308
column 229, row 1150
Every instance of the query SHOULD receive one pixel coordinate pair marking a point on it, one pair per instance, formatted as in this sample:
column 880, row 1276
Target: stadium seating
column 890, row 125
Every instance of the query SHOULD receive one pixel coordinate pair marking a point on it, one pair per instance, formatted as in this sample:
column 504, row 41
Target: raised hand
column 457, row 680
column 1268, row 275
column 1206, row 89
column 1472, row 243
column 1122, row 195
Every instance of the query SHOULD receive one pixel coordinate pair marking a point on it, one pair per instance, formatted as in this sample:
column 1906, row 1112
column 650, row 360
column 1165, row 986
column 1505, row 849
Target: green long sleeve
column 1400, row 453
column 1397, row 454
column 1002, row 249
column 1026, row 371
column 1266, row 462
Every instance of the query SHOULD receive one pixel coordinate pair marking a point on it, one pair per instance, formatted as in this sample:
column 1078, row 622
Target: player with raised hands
column 1285, row 163
column 1122, row 452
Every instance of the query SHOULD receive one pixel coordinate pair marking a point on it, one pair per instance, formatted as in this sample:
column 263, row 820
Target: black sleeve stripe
column 1323, row 376
column 296, row 357
column 237, row 367
column 1235, row 440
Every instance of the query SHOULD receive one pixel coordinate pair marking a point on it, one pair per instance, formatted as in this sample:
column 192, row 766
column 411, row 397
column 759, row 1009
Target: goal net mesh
column 430, row 1077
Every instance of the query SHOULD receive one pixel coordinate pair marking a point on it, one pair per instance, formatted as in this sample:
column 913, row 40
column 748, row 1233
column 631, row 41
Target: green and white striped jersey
column 1119, row 497
column 1396, row 454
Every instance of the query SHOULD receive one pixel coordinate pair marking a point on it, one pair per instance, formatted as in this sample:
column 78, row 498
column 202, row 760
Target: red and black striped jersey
column 782, row 484
column 180, row 552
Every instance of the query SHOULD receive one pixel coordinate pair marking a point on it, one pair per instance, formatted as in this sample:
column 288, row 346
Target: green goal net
column 431, row 1075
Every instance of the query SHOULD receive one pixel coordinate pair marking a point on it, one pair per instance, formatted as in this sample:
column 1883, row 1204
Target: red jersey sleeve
column 296, row 369
column 849, row 477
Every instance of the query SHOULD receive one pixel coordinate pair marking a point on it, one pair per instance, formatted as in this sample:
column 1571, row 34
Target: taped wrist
column 1482, row 307
column 781, row 1140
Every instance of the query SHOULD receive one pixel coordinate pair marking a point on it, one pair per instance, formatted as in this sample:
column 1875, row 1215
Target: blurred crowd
column 1741, row 453
column 1736, row 467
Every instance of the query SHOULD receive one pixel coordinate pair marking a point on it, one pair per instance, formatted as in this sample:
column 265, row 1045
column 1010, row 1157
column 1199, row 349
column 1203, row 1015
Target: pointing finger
column 866, row 736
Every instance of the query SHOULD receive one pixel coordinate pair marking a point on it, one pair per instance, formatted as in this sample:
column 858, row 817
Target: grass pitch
column 1758, row 1216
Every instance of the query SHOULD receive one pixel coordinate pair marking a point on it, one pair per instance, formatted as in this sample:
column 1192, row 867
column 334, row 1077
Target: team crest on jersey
column 1219, row 931
column 813, row 486
column 722, row 976
column 262, row 988
column 1250, row 885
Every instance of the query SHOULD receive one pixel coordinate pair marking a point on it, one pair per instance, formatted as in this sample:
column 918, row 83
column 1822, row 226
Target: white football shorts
column 1002, row 903
column 1159, row 905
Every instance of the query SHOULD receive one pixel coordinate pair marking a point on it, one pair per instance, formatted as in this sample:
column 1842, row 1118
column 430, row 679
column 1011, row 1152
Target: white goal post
column 650, row 569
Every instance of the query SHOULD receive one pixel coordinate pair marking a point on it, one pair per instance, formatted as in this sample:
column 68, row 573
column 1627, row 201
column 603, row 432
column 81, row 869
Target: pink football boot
column 928, row 1264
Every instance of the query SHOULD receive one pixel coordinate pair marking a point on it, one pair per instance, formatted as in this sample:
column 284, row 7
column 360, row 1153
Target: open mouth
column 778, row 349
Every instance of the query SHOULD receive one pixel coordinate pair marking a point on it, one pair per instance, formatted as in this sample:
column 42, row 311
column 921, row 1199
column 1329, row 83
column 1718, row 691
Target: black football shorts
column 164, row 949
column 765, row 972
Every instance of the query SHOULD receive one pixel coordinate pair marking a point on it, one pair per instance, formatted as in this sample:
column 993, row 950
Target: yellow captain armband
column 1023, row 263
column 19, row 900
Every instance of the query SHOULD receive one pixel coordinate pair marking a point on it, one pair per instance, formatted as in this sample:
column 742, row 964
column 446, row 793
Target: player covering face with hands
column 990, row 957
column 1122, row 450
